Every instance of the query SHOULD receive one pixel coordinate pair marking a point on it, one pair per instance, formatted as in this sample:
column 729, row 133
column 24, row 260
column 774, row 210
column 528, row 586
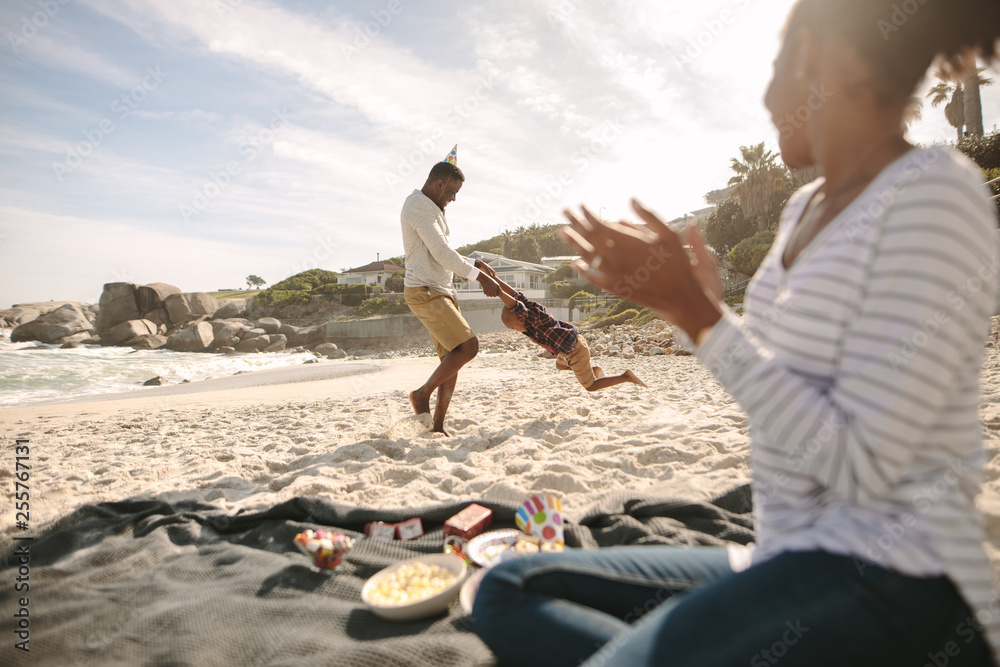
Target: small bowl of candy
column 415, row 588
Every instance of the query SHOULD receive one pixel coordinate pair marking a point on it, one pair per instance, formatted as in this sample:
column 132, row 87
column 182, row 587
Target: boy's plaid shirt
column 554, row 335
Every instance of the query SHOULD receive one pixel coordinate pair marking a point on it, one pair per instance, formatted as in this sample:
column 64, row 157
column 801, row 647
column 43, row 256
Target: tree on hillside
column 748, row 254
column 564, row 273
column 508, row 242
column 726, row 226
column 255, row 281
column 762, row 186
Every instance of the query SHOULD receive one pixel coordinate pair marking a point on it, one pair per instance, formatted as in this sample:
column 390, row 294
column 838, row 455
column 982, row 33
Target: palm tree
column 760, row 183
column 964, row 111
column 508, row 242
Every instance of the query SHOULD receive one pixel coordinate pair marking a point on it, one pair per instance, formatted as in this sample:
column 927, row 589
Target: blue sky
column 195, row 142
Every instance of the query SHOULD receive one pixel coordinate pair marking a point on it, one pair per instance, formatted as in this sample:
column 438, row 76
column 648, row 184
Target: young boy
column 560, row 338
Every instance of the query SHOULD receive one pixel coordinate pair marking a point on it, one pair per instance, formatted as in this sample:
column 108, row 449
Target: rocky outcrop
column 117, row 305
column 149, row 342
column 226, row 333
column 148, row 317
column 123, row 333
column 150, row 297
column 54, row 326
column 22, row 313
column 187, row 306
column 308, row 337
column 268, row 324
column 230, row 308
column 196, row 338
column 256, row 344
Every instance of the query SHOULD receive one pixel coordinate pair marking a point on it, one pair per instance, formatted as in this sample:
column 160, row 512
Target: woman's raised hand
column 648, row 265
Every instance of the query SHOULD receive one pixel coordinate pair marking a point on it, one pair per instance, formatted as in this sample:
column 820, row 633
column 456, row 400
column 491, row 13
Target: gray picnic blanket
column 146, row 582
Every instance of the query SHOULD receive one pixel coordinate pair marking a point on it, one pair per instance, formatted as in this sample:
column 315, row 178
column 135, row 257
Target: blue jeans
column 681, row 606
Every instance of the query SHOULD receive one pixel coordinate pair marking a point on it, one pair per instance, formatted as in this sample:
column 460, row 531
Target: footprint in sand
column 410, row 427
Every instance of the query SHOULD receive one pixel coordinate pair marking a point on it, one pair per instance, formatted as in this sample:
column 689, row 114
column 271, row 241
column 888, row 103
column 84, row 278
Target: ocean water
column 32, row 373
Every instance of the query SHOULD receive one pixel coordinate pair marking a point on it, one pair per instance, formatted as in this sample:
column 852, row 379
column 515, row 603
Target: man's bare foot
column 421, row 404
column 632, row 378
column 598, row 373
column 439, row 429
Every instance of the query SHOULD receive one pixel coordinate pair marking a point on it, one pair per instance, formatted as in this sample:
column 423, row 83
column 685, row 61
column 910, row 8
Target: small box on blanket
column 465, row 525
column 379, row 530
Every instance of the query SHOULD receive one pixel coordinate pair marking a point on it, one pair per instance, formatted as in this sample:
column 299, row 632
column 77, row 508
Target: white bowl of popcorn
column 415, row 588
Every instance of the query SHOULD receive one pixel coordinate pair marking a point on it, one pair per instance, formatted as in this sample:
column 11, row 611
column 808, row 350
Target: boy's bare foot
column 635, row 380
column 439, row 429
column 421, row 404
column 598, row 373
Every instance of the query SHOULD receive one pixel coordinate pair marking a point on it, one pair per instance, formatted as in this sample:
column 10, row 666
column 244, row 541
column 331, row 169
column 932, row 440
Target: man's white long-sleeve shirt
column 430, row 261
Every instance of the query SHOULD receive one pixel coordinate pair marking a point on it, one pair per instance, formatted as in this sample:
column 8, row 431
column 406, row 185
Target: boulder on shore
column 117, row 305
column 255, row 344
column 187, row 306
column 150, row 297
column 276, row 343
column 269, row 324
column 229, row 308
column 62, row 322
column 196, row 338
column 226, row 333
column 122, row 333
column 148, row 342
column 326, row 349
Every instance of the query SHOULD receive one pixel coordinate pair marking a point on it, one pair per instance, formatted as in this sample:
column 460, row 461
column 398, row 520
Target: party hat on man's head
column 452, row 156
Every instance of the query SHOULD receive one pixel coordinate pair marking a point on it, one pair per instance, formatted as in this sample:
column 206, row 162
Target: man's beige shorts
column 579, row 362
column 440, row 313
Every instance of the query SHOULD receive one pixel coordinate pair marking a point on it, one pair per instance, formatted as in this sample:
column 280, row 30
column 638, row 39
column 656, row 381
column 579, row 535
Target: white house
column 375, row 273
column 556, row 262
column 525, row 277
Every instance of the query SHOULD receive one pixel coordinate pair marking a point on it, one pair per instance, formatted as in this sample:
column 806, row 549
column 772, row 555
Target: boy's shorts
column 579, row 362
column 439, row 312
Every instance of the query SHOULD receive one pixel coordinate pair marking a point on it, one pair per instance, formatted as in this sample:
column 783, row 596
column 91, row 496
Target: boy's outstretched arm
column 507, row 293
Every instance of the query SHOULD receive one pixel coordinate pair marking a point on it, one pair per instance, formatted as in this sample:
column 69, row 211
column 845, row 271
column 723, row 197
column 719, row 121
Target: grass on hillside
column 238, row 294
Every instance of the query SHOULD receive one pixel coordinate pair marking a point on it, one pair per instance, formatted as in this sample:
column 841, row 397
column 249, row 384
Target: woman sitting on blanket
column 857, row 364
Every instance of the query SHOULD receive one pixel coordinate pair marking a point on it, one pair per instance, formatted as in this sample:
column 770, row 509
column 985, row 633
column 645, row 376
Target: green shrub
column 746, row 257
column 579, row 297
column 352, row 300
column 273, row 297
column 561, row 289
column 984, row 151
column 381, row 305
column 307, row 280
column 620, row 318
column 645, row 316
column 562, row 274
column 622, row 306
column 340, row 288
column 990, row 175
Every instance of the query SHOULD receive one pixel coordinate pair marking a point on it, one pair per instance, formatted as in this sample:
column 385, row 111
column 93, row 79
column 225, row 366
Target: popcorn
column 411, row 583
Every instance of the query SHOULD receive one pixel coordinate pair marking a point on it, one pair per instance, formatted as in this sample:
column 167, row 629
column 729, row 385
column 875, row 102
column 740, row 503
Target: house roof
column 387, row 267
column 499, row 261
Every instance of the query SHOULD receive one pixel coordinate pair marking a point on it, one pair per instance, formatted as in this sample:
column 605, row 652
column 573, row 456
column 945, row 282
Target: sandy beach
column 516, row 426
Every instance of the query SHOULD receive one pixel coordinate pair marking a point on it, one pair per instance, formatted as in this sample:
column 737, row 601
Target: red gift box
column 465, row 525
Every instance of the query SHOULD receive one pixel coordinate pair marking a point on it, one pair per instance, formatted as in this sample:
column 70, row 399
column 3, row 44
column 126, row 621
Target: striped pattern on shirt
column 858, row 369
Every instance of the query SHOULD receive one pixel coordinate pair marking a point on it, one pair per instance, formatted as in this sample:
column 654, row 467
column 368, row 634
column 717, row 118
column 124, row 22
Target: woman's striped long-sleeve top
column 858, row 369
